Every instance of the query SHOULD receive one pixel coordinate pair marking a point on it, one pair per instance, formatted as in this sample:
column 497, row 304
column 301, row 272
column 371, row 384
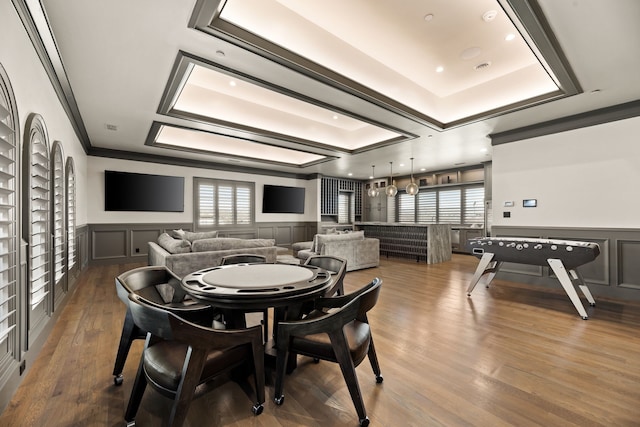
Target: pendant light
column 373, row 190
column 412, row 189
column 391, row 189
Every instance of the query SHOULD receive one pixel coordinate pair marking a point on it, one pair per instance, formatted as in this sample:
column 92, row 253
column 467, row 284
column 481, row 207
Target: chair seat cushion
column 358, row 336
column 164, row 360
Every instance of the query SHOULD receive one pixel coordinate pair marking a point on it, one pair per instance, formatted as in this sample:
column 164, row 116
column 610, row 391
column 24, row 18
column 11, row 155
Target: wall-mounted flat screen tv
column 281, row 199
column 126, row 191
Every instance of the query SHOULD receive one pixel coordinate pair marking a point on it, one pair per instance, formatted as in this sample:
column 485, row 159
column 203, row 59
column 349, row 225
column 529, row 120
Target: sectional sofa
column 188, row 252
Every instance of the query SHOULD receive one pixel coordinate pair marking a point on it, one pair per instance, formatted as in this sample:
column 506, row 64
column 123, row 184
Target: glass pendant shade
column 391, row 189
column 373, row 190
column 412, row 189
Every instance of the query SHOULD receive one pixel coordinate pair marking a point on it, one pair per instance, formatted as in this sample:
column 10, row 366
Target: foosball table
column 563, row 256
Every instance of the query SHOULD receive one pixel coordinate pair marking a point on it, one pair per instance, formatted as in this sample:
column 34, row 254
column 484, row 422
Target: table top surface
column 256, row 285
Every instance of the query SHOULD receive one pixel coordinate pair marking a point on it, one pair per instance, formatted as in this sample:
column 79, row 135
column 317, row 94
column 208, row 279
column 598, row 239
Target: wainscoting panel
column 628, row 253
column 109, row 244
column 140, row 241
column 284, row 235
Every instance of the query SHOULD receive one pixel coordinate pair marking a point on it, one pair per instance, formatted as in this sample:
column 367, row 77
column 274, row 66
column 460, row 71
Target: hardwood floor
column 509, row 355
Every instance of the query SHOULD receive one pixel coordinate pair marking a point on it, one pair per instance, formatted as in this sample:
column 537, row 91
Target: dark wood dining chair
column 336, row 266
column 338, row 331
column 179, row 355
column 249, row 259
column 161, row 286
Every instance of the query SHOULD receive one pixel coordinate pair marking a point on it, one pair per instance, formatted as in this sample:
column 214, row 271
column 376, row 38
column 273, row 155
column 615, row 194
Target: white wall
column 588, row 177
column 95, row 185
column 34, row 94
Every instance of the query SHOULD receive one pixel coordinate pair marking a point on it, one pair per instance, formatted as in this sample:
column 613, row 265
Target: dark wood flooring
column 511, row 355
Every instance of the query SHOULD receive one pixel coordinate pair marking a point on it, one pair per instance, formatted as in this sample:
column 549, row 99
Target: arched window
column 9, row 243
column 72, row 251
column 36, row 227
column 59, row 253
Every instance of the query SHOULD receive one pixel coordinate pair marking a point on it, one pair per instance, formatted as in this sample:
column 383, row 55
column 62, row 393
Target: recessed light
column 483, row 150
column 110, row 126
column 595, row 91
column 232, row 83
column 370, row 176
column 428, row 17
column 401, row 164
column 220, row 53
column 349, row 174
column 510, row 37
column 429, row 136
column 439, row 69
column 423, row 169
column 335, row 117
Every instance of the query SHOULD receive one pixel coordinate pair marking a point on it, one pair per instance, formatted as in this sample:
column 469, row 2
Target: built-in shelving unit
column 330, row 189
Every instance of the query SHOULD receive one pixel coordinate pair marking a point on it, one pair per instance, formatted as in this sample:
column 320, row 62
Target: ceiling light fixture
column 510, row 37
column 412, row 189
column 440, row 69
column 391, row 189
column 373, row 190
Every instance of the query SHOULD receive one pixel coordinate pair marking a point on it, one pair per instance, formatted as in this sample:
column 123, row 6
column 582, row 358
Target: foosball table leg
column 561, row 273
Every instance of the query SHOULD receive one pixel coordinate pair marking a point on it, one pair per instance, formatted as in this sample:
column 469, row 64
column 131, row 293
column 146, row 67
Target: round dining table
column 237, row 289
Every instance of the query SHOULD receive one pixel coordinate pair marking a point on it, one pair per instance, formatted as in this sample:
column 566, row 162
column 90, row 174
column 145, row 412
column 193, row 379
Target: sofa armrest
column 300, row 246
column 156, row 254
column 368, row 251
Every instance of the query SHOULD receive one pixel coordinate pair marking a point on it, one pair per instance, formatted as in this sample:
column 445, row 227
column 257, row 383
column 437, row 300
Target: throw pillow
column 177, row 234
column 173, row 246
column 192, row 237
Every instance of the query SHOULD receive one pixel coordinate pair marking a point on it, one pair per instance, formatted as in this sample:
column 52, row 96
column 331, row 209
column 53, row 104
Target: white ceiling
column 372, row 64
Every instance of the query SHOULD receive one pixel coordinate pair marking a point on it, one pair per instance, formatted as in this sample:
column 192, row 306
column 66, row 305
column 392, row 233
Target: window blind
column 8, row 216
column 344, row 208
column 427, row 207
column 473, row 205
column 406, row 207
column 71, row 213
column 220, row 202
column 449, row 208
column 39, row 210
column 59, row 262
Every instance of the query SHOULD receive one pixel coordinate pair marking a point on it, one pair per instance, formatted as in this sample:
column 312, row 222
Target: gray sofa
column 183, row 256
column 359, row 251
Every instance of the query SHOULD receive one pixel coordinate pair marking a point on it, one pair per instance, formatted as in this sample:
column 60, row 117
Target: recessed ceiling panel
column 180, row 138
column 448, row 60
column 221, row 97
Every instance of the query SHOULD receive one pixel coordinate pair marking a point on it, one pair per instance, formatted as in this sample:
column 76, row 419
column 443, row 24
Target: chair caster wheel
column 279, row 400
column 379, row 379
column 118, row 379
column 364, row 422
column 316, row 360
column 257, row 409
